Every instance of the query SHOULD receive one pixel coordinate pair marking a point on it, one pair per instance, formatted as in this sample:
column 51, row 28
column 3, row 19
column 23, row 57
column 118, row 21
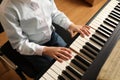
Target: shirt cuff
column 67, row 24
column 39, row 50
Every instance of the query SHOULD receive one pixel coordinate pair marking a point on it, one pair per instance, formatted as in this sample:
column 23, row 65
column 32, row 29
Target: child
column 28, row 24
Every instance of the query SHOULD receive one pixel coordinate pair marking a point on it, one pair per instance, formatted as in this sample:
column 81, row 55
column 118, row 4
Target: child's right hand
column 59, row 53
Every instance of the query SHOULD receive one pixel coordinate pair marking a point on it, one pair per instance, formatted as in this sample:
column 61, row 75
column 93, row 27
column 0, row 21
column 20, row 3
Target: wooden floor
column 77, row 10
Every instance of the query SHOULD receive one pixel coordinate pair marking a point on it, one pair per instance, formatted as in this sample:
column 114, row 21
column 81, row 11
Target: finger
column 63, row 56
column 66, row 52
column 86, row 32
column 72, row 33
column 58, row 59
column 81, row 33
column 88, row 27
column 67, row 49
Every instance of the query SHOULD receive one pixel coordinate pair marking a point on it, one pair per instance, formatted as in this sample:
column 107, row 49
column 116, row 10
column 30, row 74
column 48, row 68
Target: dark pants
column 42, row 63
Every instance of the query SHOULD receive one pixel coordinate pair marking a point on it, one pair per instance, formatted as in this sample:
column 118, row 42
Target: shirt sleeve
column 59, row 17
column 16, row 36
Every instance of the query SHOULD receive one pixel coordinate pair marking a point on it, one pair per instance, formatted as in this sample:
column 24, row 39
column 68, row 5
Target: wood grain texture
column 78, row 11
column 3, row 38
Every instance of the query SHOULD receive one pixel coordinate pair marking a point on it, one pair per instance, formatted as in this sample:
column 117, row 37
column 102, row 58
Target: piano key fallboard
column 90, row 53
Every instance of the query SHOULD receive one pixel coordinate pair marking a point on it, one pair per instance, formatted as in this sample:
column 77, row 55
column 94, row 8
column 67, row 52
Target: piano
column 90, row 53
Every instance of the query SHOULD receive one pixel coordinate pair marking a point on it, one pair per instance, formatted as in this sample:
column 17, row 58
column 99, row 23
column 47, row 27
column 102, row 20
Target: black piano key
column 68, row 75
column 61, row 77
column 106, row 28
column 118, row 3
column 79, row 58
column 85, row 52
column 74, row 72
column 95, row 48
column 96, row 36
column 97, row 41
column 115, row 12
column 116, row 8
column 111, row 21
column 114, row 17
column 102, row 33
column 90, row 50
column 79, row 65
column 110, row 24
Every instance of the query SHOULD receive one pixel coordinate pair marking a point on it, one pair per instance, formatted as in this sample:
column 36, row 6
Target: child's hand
column 83, row 30
column 59, row 53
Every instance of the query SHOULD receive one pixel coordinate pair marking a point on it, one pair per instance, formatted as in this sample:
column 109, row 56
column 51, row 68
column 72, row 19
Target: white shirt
column 28, row 23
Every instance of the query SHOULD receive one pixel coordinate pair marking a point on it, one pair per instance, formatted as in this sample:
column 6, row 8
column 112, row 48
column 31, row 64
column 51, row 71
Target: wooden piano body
column 93, row 2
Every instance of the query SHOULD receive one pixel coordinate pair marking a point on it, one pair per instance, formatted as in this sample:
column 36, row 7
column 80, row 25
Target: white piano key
column 52, row 74
column 61, row 66
column 46, row 76
column 79, row 43
column 42, row 78
column 95, row 25
column 74, row 47
column 56, row 69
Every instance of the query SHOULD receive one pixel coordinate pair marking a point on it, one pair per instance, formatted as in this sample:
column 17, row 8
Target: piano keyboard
column 87, row 51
